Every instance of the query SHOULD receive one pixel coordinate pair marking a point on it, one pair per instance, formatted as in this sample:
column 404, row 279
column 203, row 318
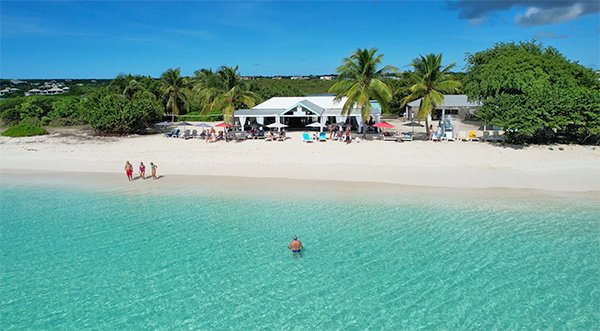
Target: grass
column 24, row 130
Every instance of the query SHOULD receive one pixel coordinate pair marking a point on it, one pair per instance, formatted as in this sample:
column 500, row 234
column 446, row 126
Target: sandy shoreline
column 450, row 165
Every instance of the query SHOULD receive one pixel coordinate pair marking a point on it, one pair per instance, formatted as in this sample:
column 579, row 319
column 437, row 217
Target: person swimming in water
column 296, row 245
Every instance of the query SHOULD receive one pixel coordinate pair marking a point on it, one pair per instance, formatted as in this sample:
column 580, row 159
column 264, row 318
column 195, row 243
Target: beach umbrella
column 223, row 125
column 277, row 125
column 164, row 124
column 383, row 125
column 413, row 124
column 256, row 125
column 317, row 125
column 203, row 125
column 184, row 124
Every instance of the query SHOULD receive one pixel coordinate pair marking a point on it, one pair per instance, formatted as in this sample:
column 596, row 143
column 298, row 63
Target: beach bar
column 298, row 112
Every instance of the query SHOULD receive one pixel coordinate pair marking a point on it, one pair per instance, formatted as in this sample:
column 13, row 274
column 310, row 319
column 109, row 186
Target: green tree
column 175, row 91
column 534, row 93
column 116, row 114
column 429, row 81
column 225, row 91
column 67, row 111
column 361, row 80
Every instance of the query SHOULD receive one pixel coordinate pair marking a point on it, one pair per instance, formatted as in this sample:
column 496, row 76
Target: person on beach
column 430, row 134
column 129, row 170
column 142, row 170
column 153, row 168
column 348, row 137
column 296, row 245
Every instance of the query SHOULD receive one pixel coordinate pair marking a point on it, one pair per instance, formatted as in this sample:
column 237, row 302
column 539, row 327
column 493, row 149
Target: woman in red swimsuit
column 129, row 170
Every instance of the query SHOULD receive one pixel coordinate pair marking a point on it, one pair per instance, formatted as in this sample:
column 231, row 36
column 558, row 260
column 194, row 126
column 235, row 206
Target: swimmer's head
column 295, row 237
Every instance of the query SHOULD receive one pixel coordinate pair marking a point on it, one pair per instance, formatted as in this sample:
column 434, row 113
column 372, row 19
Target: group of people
column 337, row 132
column 211, row 135
column 142, row 168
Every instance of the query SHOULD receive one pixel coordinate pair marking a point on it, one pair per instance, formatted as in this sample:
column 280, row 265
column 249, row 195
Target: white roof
column 35, row 90
column 319, row 105
column 55, row 89
column 450, row 101
column 325, row 102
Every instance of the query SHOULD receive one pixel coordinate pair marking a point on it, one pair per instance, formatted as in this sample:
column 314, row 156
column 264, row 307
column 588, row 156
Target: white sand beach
column 567, row 168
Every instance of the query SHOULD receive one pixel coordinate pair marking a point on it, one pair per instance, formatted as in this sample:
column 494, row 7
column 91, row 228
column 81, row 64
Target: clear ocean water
column 85, row 259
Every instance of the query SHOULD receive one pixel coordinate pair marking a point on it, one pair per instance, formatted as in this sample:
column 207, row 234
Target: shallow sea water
column 85, row 259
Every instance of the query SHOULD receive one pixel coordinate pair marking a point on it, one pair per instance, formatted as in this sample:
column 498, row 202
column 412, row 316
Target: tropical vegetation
column 223, row 90
column 24, row 130
column 535, row 94
column 430, row 80
column 361, row 79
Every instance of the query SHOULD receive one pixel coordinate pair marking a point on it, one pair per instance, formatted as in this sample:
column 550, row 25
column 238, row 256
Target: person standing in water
column 296, row 245
column 153, row 168
column 142, row 170
column 129, row 170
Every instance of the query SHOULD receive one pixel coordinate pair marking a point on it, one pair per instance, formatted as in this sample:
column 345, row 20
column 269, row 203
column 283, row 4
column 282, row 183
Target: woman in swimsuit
column 153, row 167
column 142, row 170
column 129, row 170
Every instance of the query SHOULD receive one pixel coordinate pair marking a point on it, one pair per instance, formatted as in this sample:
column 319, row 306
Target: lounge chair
column 240, row 135
column 306, row 137
column 473, row 136
column 390, row 136
column 323, row 136
column 194, row 134
column 448, row 136
column 486, row 136
column 173, row 134
column 496, row 136
column 186, row 134
column 405, row 136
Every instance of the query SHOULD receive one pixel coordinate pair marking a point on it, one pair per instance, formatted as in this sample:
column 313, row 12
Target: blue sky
column 87, row 39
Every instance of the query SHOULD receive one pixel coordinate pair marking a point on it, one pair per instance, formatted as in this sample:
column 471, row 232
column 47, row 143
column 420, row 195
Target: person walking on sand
column 153, row 168
column 295, row 245
column 348, row 137
column 129, row 170
column 142, row 170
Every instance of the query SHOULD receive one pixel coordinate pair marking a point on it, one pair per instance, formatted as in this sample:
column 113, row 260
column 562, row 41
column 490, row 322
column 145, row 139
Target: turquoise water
column 73, row 259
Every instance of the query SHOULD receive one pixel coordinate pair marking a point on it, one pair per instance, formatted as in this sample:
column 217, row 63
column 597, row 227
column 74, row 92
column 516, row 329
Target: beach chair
column 186, row 134
column 240, row 135
column 194, row 134
column 323, row 136
column 405, row 136
column 473, row 136
column 173, row 134
column 496, row 136
column 390, row 136
column 306, row 137
column 486, row 136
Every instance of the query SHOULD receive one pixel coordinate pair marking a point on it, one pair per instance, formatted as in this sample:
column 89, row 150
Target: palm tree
column 174, row 89
column 429, row 82
column 360, row 80
column 224, row 90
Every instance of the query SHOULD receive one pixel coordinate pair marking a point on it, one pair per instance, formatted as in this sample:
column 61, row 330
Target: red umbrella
column 383, row 125
column 224, row 125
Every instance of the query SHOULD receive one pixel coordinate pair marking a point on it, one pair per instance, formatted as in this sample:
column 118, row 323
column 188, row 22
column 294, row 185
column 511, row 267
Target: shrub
column 24, row 130
column 116, row 114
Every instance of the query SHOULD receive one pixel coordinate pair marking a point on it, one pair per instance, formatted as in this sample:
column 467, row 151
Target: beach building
column 456, row 105
column 298, row 112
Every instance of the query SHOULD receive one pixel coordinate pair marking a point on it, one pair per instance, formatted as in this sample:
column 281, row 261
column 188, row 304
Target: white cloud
column 542, row 16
